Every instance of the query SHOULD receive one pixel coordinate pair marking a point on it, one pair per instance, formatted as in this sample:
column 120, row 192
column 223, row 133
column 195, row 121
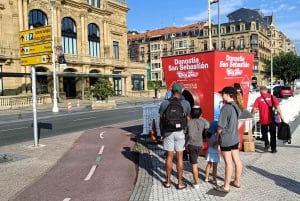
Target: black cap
column 228, row 90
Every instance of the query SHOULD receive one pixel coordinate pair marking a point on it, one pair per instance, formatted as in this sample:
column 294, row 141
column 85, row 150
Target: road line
column 101, row 134
column 90, row 174
column 12, row 129
column 101, row 150
column 67, row 199
column 87, row 118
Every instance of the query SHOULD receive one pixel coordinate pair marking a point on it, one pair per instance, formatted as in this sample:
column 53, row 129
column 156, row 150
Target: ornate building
column 247, row 30
column 92, row 35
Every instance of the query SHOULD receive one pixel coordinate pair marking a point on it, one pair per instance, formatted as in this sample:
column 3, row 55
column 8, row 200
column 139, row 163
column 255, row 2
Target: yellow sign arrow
column 36, row 49
column 41, row 34
column 36, row 59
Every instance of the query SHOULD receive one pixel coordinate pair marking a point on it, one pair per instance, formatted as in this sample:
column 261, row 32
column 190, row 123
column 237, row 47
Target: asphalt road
column 19, row 130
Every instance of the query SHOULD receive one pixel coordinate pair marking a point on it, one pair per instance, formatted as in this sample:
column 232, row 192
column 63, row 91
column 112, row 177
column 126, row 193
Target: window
column 231, row 44
column 254, row 40
column 155, row 66
column 94, row 40
column 181, row 44
column 223, row 47
column 116, row 49
column 155, row 56
column 37, row 18
column 205, row 46
column 155, row 47
column 142, row 50
column 69, row 36
column 242, row 43
column 98, row 3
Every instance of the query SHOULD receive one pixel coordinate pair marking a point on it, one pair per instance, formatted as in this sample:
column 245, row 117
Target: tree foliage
column 102, row 89
column 286, row 66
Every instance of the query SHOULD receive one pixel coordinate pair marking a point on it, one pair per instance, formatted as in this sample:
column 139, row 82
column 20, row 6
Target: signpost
column 36, row 49
column 36, row 59
column 38, row 35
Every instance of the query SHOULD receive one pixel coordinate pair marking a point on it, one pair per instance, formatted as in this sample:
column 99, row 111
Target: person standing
column 174, row 140
column 212, row 156
column 228, row 137
column 263, row 104
column 195, row 128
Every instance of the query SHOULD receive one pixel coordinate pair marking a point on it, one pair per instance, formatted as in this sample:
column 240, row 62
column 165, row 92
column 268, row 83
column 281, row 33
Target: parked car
column 283, row 91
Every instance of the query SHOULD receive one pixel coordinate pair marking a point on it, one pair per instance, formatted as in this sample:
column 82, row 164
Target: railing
column 11, row 102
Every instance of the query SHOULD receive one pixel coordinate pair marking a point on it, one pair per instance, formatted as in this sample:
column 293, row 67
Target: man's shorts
column 175, row 141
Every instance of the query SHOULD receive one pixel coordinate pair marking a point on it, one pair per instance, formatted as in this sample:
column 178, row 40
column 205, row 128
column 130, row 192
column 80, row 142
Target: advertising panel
column 204, row 74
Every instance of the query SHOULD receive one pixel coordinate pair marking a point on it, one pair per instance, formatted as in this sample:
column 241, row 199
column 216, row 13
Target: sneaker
column 196, row 186
column 267, row 148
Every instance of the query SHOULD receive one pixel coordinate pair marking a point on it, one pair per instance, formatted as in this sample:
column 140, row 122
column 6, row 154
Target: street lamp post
column 55, row 105
column 271, row 46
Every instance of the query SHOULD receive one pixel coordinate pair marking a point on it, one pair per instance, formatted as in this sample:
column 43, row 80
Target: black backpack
column 174, row 118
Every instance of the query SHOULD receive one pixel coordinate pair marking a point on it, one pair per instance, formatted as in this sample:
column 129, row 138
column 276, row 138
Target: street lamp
column 55, row 105
column 271, row 46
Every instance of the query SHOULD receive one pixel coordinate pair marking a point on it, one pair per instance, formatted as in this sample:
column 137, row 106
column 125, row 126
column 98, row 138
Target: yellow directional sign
column 36, row 59
column 36, row 49
column 41, row 34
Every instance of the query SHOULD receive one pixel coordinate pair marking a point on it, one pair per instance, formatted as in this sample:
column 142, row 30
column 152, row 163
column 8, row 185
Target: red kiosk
column 203, row 74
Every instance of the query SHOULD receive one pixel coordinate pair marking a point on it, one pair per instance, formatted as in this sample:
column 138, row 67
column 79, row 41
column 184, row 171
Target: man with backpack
column 174, row 114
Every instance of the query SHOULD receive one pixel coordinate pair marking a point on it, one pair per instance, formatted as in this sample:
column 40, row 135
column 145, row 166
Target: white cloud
column 226, row 8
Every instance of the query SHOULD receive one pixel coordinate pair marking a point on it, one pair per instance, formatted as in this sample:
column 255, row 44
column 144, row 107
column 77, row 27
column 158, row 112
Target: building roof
column 166, row 30
column 249, row 15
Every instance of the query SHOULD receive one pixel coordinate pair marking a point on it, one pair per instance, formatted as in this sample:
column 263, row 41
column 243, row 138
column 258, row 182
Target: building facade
column 246, row 31
column 90, row 34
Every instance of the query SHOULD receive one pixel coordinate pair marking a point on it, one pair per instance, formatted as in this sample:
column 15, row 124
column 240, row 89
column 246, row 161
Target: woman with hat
column 228, row 137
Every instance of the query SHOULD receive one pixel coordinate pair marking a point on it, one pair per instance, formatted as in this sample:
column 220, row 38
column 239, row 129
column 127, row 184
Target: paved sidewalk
column 266, row 176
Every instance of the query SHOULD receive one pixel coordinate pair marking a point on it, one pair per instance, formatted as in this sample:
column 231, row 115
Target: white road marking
column 87, row 118
column 101, row 134
column 90, row 174
column 13, row 129
column 67, row 199
column 133, row 111
column 101, row 150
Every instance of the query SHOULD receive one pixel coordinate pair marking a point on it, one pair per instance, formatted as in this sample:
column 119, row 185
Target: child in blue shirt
column 213, row 155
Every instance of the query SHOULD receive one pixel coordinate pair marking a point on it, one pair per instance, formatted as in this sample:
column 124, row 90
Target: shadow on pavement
column 279, row 180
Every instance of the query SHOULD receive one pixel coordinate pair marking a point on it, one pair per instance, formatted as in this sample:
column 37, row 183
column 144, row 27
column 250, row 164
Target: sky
column 156, row 14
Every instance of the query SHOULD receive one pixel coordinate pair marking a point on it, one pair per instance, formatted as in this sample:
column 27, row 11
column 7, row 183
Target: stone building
column 90, row 34
column 247, row 30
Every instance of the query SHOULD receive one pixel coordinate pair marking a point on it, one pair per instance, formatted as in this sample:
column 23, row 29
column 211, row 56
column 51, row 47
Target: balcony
column 77, row 59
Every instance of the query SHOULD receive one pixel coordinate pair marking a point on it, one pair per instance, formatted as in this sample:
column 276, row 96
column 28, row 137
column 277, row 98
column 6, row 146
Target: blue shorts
column 175, row 141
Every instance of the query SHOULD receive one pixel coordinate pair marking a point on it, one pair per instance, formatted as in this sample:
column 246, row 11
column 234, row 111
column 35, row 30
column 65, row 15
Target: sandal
column 166, row 185
column 235, row 185
column 181, row 187
column 221, row 189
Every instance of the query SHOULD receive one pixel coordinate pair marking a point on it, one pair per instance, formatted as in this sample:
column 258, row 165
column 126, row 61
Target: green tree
column 102, row 89
column 286, row 66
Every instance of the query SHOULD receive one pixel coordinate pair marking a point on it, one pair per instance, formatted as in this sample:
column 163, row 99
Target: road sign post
column 36, row 46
